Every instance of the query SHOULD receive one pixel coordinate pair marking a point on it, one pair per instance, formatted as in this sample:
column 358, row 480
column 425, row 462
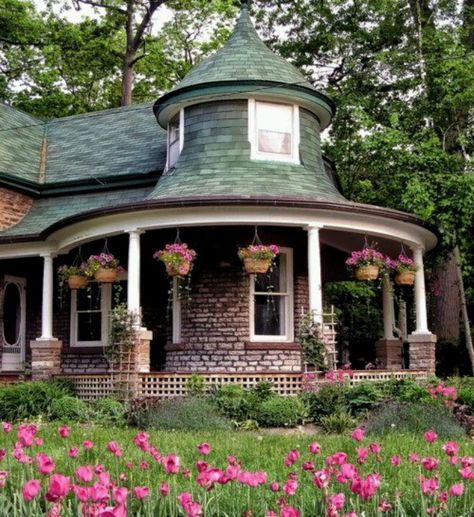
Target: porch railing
column 90, row 387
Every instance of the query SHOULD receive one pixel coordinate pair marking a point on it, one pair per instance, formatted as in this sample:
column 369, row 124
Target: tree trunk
column 127, row 82
column 446, row 303
column 465, row 316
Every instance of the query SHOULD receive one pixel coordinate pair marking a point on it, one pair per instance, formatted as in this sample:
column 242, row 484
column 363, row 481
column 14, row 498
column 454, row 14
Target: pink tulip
column 451, row 448
column 321, row 478
column 171, row 464
column 430, row 436
column 7, row 427
column 274, row 486
column 350, row 514
column 64, row 431
column 45, row 463
column 443, row 497
column 336, row 459
column 290, row 487
column 466, row 473
column 308, row 466
column 429, row 485
column 113, row 511
column 31, row 489
column 429, row 463
column 291, row 458
column 82, row 493
column 26, row 435
column 314, row 448
column 141, row 440
column 119, row 495
column 413, row 457
column 289, row 511
column 164, row 489
column 58, row 488
column 337, row 500
column 362, row 453
column 358, row 434
column 141, row 492
column 384, row 506
column 375, row 448
column 87, row 444
column 85, row 474
column 204, row 449
column 348, row 471
column 73, row 452
column 395, row 461
column 99, row 493
column 457, row 490
column 114, row 448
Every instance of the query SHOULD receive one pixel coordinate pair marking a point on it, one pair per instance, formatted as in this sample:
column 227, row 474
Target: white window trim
column 105, row 307
column 255, row 154
column 289, row 321
column 181, row 137
column 176, row 337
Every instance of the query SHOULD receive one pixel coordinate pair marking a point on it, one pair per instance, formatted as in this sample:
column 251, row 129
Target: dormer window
column 274, row 131
column 175, row 138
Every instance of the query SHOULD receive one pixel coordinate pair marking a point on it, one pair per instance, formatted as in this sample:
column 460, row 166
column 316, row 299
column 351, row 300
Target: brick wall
column 13, row 207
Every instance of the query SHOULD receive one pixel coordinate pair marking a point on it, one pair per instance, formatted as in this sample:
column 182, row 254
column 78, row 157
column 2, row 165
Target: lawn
column 398, row 493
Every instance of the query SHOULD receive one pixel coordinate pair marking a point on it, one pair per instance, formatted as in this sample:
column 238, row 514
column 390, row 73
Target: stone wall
column 13, row 207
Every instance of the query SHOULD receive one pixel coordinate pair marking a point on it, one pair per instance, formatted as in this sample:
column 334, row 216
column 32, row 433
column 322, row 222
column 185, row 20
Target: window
column 90, row 315
column 274, row 131
column 271, row 311
column 175, row 138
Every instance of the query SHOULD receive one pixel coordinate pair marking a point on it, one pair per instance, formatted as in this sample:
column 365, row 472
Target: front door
column 12, row 323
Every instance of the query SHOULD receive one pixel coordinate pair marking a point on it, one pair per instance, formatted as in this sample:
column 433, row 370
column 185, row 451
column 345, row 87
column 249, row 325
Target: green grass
column 256, row 451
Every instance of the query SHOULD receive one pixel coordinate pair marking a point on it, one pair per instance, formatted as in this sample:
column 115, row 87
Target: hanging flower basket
column 405, row 278
column 367, row 273
column 74, row 276
column 104, row 268
column 177, row 257
column 77, row 282
column 258, row 258
column 366, row 263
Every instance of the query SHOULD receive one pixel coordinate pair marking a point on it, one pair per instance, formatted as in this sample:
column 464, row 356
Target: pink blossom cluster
column 259, row 251
column 446, row 393
column 401, row 263
column 337, row 481
column 366, row 257
column 176, row 255
column 105, row 260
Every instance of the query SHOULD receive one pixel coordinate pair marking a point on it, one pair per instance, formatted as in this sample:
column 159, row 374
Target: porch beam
column 133, row 286
column 314, row 273
column 47, row 298
column 420, row 293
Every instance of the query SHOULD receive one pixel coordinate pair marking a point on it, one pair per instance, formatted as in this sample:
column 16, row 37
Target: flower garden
column 393, row 449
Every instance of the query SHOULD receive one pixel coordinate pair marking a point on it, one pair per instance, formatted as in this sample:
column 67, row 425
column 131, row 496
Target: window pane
column 274, row 117
column 174, row 153
column 89, row 299
column 274, row 142
column 275, row 280
column 89, row 326
column 270, row 315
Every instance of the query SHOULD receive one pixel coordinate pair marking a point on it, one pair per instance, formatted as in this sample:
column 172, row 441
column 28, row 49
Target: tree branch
column 100, row 5
column 154, row 4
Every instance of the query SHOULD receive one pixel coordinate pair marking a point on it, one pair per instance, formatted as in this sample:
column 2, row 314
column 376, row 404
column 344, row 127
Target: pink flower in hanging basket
column 259, row 252
column 177, row 257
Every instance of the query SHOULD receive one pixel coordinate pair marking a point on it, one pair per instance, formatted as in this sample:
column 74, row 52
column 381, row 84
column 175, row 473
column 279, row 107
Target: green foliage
column 232, row 402
column 27, row 399
column 69, row 408
column 312, row 343
column 186, row 414
column 405, row 390
column 414, row 418
column 339, row 422
column 363, row 397
column 196, row 385
column 65, row 384
column 279, row 411
column 108, row 410
column 465, row 390
column 329, row 399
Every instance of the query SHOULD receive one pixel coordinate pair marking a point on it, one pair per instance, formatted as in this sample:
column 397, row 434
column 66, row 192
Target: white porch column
column 133, row 285
column 387, row 304
column 314, row 273
column 47, row 300
column 420, row 293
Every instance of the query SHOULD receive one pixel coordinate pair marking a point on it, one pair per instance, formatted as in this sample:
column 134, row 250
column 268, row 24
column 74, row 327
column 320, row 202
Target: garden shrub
column 413, row 418
column 363, row 396
column 109, row 410
column 232, row 402
column 185, row 414
column 65, row 384
column 28, row 399
column 339, row 422
column 278, row 411
column 69, row 408
column 405, row 390
column 329, row 399
column 196, row 385
column 465, row 390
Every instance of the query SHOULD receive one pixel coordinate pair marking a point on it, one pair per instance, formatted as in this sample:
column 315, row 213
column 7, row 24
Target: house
column 232, row 152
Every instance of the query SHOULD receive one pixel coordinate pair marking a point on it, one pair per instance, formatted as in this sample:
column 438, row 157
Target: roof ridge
column 22, row 112
column 102, row 112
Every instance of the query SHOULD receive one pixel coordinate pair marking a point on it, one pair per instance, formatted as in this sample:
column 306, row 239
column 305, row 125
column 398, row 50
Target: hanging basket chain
column 78, row 260
column 177, row 239
column 256, row 238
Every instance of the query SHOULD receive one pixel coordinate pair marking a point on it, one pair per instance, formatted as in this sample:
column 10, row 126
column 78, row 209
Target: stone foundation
column 388, row 353
column 45, row 358
column 143, row 351
column 73, row 363
column 422, row 352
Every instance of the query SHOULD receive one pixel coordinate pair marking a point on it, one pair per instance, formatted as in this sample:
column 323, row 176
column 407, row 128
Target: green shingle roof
column 244, row 57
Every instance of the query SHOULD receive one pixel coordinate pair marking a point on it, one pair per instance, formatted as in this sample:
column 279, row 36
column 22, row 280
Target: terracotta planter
column 256, row 265
column 367, row 273
column 405, row 278
column 106, row 276
column 77, row 282
column 173, row 271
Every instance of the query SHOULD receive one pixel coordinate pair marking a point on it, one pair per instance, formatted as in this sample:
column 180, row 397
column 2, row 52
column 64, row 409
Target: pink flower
column 451, row 448
column 191, row 508
column 87, row 444
column 362, row 453
column 99, row 493
column 430, row 463
column 141, row 440
column 396, row 460
column 73, row 452
column 290, row 487
column 366, row 487
column 348, row 471
column 337, row 458
column 85, row 474
column 26, row 435
column 116, row 511
column 466, row 473
column 31, row 489
column 321, row 478
column 375, row 448
column 45, row 463
column 337, row 500
column 171, row 464
column 358, row 434
column 314, row 448
column 384, row 506
column 429, row 485
column 413, row 457
column 430, row 436
column 58, row 488
column 291, row 458
column 204, row 449
column 457, row 490
column 274, row 486
column 164, row 489
column 289, row 511
column 114, row 448
column 120, row 494
column 64, row 431
column 141, row 492
column 7, row 427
